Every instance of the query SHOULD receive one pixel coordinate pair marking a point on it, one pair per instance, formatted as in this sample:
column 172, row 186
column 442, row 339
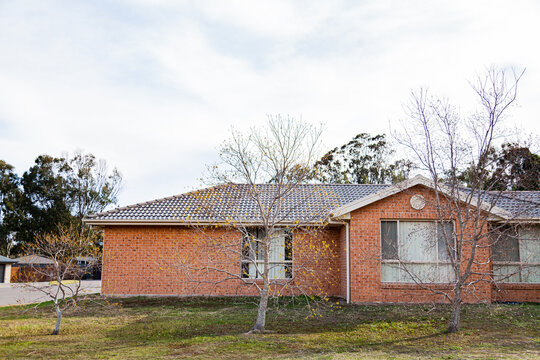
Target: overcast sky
column 153, row 86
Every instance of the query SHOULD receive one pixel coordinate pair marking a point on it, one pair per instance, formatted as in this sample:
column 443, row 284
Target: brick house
column 366, row 231
column 32, row 268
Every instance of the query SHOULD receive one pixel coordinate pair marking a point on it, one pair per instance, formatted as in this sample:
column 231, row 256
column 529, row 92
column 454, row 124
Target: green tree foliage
column 522, row 167
column 10, row 200
column 512, row 167
column 91, row 186
column 363, row 160
column 54, row 191
column 46, row 200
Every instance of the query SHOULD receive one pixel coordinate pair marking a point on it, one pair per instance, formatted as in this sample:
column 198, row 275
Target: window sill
column 409, row 286
column 272, row 281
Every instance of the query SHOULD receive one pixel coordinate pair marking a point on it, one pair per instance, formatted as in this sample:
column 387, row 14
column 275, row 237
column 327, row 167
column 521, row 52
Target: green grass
column 133, row 328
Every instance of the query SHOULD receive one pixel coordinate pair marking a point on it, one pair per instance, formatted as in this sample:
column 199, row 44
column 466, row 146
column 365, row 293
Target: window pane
column 446, row 240
column 390, row 272
column 417, row 241
column 506, row 273
column 529, row 246
column 253, row 274
column 424, row 273
column 245, row 270
column 529, row 251
column 531, row 274
column 505, row 245
column 389, row 240
column 249, row 247
column 288, row 271
column 259, row 245
column 277, row 247
column 288, row 246
column 280, row 250
column 530, row 232
column 276, row 271
column 446, row 274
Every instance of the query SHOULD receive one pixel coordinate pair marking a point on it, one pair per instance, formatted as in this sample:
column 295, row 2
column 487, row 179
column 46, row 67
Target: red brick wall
column 171, row 260
column 516, row 292
column 365, row 239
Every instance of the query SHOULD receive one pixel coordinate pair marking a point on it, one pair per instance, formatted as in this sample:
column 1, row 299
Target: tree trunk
column 58, row 321
column 455, row 315
column 261, row 314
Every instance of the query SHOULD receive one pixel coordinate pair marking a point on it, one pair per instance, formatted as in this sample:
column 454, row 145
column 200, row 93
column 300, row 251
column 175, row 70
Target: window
column 416, row 250
column 516, row 255
column 280, row 256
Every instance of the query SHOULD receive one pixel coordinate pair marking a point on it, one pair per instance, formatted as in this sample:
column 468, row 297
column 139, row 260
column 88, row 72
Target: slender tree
column 444, row 143
column 265, row 169
column 67, row 247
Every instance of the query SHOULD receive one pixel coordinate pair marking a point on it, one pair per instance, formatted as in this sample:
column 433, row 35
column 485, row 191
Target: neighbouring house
column 90, row 266
column 32, row 268
column 367, row 228
column 5, row 268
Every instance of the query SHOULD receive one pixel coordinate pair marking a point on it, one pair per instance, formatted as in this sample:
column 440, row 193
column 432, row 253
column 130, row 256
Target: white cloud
column 153, row 86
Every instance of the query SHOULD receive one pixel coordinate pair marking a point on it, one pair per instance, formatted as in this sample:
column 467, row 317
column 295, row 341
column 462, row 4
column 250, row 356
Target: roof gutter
column 98, row 222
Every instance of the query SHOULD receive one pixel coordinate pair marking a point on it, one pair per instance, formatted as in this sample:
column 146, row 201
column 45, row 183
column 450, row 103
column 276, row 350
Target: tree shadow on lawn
column 227, row 335
column 224, row 325
column 191, row 325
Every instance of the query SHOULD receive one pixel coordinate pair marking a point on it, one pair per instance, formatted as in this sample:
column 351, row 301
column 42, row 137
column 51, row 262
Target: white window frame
column 438, row 263
column 287, row 264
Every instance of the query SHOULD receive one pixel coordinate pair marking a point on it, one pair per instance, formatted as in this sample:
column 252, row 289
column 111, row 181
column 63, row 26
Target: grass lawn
column 133, row 328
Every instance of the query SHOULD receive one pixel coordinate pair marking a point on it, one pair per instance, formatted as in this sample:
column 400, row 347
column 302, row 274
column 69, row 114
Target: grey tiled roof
column 240, row 202
column 33, row 259
column 521, row 204
column 305, row 203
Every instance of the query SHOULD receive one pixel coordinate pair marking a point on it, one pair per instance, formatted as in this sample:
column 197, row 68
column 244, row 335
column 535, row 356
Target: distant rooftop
column 34, row 260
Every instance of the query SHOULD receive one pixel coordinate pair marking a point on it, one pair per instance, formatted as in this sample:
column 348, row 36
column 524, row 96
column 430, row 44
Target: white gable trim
column 345, row 210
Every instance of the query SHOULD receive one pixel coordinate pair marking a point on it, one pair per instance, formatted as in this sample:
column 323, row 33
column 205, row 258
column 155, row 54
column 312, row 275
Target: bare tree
column 256, row 219
column 73, row 255
column 469, row 219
